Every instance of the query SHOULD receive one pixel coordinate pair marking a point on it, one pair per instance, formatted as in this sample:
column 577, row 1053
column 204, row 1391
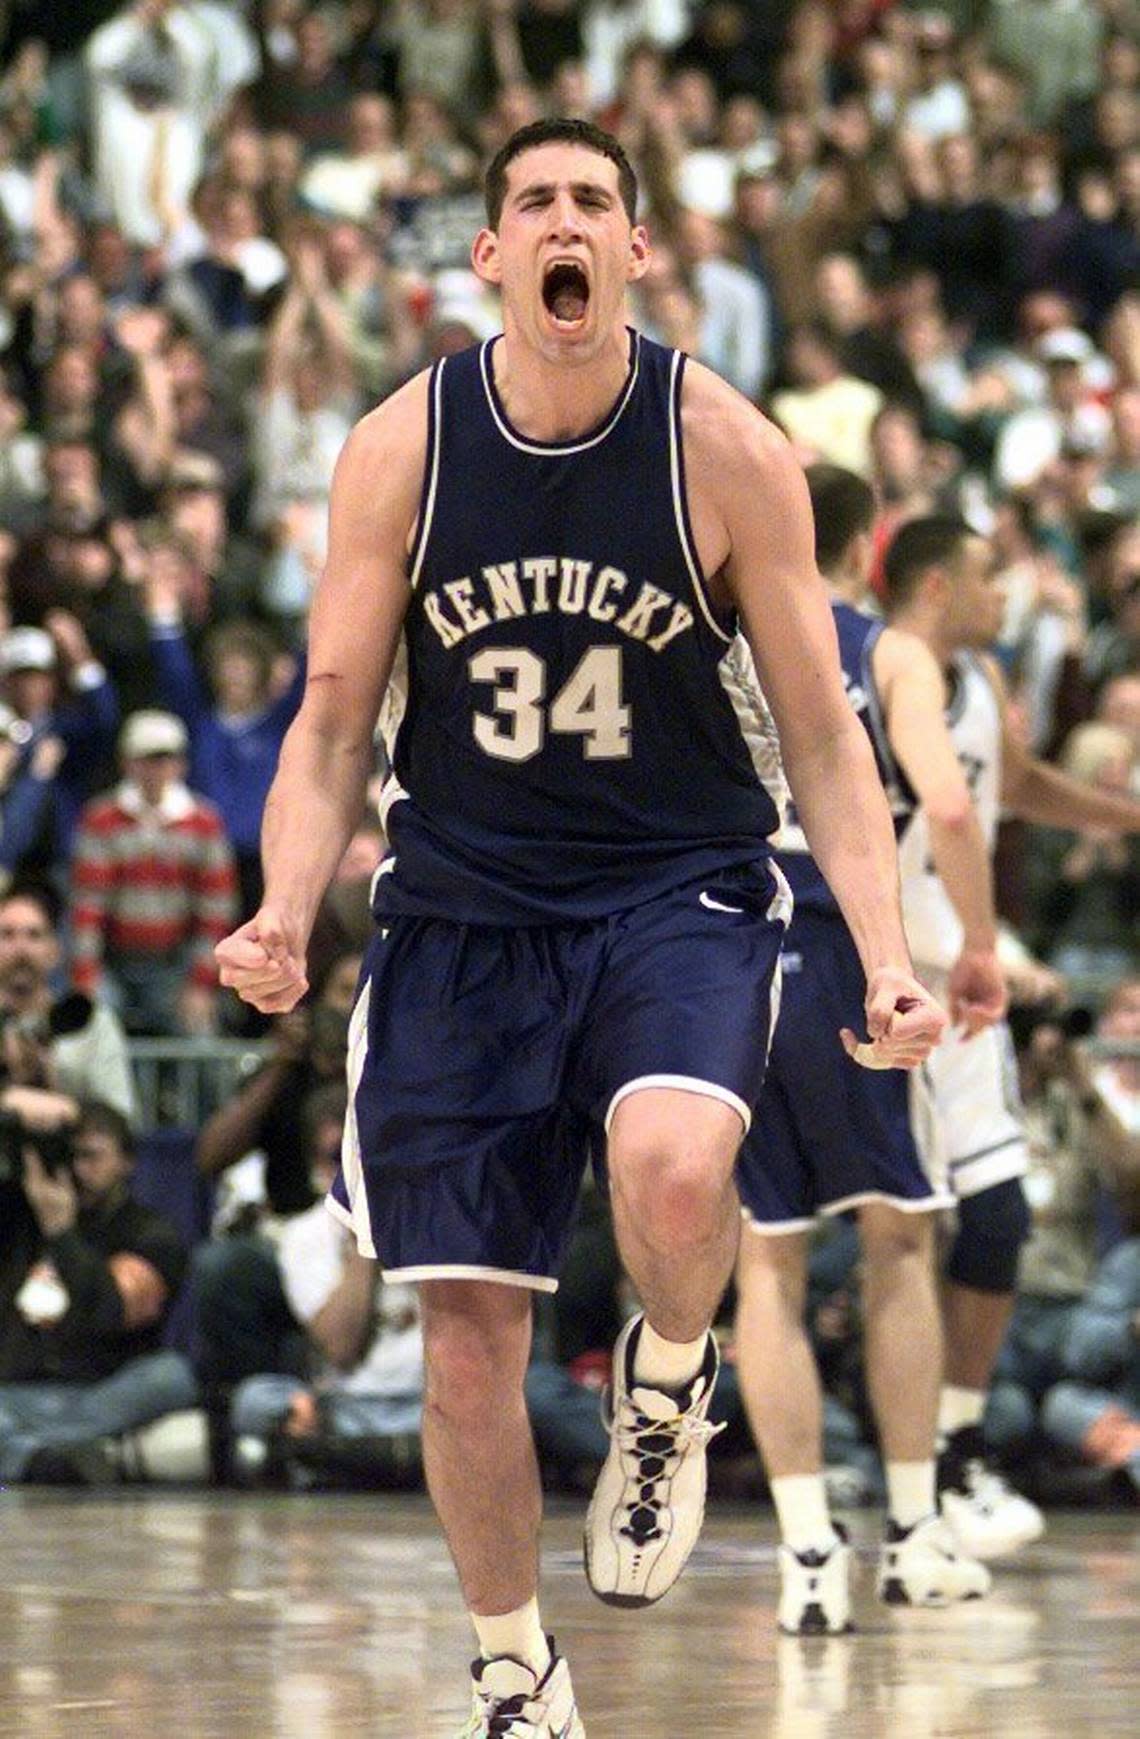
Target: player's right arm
column 318, row 793
column 911, row 688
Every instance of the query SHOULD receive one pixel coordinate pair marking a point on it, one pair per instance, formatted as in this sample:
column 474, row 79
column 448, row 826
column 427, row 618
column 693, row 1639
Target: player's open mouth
column 566, row 292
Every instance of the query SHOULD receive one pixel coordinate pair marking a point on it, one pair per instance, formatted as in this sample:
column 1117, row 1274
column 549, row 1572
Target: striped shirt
column 150, row 882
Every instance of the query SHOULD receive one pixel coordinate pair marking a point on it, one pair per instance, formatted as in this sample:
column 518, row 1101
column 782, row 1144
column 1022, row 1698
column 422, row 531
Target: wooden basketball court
column 205, row 1616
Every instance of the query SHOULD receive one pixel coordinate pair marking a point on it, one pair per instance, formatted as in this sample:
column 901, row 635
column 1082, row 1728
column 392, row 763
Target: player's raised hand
column 977, row 991
column 904, row 1022
column 264, row 962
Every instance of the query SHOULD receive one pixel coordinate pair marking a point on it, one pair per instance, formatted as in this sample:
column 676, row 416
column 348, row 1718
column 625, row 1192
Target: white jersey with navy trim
column 974, row 719
column 574, row 740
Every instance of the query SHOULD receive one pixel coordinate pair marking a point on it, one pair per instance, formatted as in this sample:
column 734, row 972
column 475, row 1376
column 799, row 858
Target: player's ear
column 485, row 257
column 639, row 251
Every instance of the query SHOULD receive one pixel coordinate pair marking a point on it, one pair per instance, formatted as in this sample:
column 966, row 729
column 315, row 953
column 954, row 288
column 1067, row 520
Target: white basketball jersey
column 973, row 717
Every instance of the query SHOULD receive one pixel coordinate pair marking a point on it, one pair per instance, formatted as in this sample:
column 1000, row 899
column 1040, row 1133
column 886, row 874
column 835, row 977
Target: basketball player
column 578, row 927
column 939, row 578
column 827, row 1136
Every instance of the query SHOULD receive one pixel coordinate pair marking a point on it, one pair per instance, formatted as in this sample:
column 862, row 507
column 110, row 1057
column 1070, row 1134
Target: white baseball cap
column 152, row 733
column 27, row 649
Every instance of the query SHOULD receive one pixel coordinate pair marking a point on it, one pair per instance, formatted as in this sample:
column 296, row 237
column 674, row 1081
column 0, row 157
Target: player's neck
column 549, row 400
column 926, row 629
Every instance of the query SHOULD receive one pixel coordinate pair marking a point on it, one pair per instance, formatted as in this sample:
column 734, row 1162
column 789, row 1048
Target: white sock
column 801, row 1508
column 910, row 1492
column 666, row 1364
column 517, row 1633
column 958, row 1408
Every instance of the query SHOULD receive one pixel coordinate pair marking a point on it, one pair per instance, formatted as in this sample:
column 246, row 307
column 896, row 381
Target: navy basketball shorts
column 828, row 1135
column 485, row 1063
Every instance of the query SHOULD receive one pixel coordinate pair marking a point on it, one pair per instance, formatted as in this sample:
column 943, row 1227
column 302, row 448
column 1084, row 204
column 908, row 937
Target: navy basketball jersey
column 857, row 636
column 569, row 746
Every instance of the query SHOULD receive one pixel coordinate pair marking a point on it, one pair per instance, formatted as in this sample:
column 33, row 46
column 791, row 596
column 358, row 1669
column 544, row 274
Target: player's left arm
column 1036, row 792
column 745, row 469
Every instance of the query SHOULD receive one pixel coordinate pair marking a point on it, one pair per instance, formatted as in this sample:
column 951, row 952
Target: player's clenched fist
column 904, row 1022
column 264, row 963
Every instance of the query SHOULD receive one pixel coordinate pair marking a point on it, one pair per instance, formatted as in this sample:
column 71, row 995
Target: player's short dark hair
column 557, row 130
column 843, row 505
column 931, row 541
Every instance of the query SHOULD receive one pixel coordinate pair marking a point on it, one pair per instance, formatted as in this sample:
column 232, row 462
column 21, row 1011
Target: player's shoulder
column 395, row 431
column 899, row 652
column 381, row 465
column 722, row 429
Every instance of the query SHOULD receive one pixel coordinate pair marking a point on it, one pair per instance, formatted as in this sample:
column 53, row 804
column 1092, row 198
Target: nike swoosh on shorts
column 716, row 905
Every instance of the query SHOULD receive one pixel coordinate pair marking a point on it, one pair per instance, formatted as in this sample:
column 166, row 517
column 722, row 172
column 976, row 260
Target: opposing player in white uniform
column 939, row 577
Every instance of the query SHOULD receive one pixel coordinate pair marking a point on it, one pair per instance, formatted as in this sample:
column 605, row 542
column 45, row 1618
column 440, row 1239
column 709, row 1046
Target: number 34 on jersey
column 588, row 705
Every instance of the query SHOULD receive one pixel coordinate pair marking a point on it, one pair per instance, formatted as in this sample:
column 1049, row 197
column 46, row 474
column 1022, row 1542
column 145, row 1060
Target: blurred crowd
column 229, row 227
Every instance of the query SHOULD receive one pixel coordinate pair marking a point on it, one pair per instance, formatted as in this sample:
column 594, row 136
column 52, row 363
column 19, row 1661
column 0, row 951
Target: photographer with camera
column 87, row 1278
column 246, row 1326
column 65, row 1045
column 1079, row 1148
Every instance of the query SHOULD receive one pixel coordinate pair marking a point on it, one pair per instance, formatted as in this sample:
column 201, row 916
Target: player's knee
column 890, row 1236
column 473, row 1356
column 992, row 1226
column 675, row 1197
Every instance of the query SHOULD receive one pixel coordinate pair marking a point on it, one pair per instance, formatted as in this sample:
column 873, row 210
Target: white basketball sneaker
column 921, row 1566
column 649, row 1500
column 510, row 1701
column 815, row 1590
column 987, row 1516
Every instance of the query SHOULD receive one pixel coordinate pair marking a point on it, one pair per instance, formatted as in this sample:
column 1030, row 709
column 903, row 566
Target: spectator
column 1088, row 912
column 57, row 689
column 1035, row 437
column 63, row 1043
column 26, row 813
column 735, row 310
column 1076, row 1146
column 87, row 1278
column 827, row 413
column 369, row 166
column 235, row 738
column 1095, row 1411
column 364, row 1393
column 154, row 888
column 245, row 1325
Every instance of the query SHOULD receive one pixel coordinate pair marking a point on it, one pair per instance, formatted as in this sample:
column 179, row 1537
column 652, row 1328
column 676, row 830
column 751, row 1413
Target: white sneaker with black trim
column 649, row 1500
column 510, row 1701
column 988, row 1518
column 815, row 1590
column 921, row 1566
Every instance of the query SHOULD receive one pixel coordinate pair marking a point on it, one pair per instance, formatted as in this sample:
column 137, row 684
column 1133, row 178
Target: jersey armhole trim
column 431, row 474
column 875, row 715
column 680, row 501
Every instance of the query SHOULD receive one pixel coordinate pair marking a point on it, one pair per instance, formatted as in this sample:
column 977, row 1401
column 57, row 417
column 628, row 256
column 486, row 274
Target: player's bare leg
column 780, row 1386
column 478, row 1452
column 989, row 1518
column 919, row 1564
column 676, row 1211
column 975, row 1325
column 677, row 1220
column 903, row 1338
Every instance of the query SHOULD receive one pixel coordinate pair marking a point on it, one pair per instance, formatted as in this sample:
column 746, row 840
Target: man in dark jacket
column 87, row 1278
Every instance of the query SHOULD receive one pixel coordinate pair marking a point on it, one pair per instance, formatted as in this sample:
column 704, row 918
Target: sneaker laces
column 511, row 1717
column 659, row 1446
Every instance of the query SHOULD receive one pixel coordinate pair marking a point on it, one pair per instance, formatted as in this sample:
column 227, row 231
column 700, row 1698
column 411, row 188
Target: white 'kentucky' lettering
column 537, row 585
